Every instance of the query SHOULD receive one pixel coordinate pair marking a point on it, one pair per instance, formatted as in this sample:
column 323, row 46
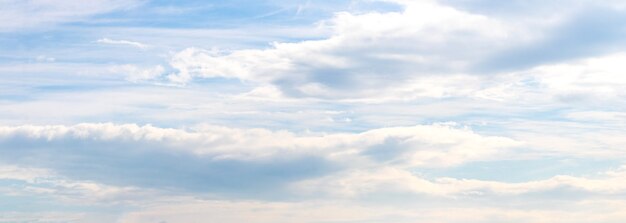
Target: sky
column 313, row 111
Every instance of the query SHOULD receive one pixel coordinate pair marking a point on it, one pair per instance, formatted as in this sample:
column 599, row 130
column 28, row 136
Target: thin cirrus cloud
column 25, row 15
column 136, row 74
column 123, row 42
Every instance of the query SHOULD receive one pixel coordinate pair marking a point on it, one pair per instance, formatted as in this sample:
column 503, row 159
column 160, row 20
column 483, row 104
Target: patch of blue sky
column 14, row 97
column 232, row 14
column 192, row 14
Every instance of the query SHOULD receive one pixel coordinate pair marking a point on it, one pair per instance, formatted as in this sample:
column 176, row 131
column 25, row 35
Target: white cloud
column 586, row 81
column 475, row 199
column 43, row 58
column 50, row 217
column 367, row 54
column 422, row 145
column 372, row 163
column 123, row 42
column 365, row 182
column 608, row 117
column 593, row 78
column 24, row 174
column 575, row 139
column 134, row 73
column 150, row 157
column 367, row 83
column 189, row 209
column 18, row 15
column 428, row 50
column 47, row 183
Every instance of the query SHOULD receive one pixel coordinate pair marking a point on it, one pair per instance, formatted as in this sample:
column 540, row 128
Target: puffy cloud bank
column 213, row 158
column 135, row 165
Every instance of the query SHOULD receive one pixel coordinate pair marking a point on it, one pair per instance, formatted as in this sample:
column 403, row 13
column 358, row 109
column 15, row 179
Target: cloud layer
column 218, row 158
column 135, row 165
column 24, row 15
column 312, row 111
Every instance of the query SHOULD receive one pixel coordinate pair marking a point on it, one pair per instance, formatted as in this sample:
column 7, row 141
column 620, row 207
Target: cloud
column 123, row 42
column 322, row 128
column 427, row 50
column 596, row 79
column 369, row 51
column 144, row 166
column 46, row 183
column 589, row 33
column 52, row 217
column 389, row 180
column 25, row 174
column 190, row 209
column 530, row 9
column 589, row 78
column 223, row 160
column 16, row 15
column 134, row 73
column 607, row 117
column 42, row 58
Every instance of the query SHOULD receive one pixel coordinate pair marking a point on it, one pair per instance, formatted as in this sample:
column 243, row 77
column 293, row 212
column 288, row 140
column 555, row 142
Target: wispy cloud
column 137, row 74
column 18, row 15
column 123, row 42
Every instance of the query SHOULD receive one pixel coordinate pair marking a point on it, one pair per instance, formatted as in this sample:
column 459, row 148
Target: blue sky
column 308, row 111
